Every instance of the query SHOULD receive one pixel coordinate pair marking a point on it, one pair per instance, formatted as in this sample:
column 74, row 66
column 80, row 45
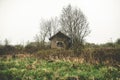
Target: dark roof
column 59, row 34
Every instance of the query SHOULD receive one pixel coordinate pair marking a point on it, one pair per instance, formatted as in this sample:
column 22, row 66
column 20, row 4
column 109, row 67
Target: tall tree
column 47, row 29
column 55, row 25
column 74, row 24
column 44, row 28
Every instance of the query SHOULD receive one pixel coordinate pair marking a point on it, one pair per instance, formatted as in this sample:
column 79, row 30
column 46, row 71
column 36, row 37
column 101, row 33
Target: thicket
column 32, row 47
column 108, row 53
column 33, row 62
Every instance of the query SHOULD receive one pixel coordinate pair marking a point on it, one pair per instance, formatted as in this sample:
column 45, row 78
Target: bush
column 30, row 48
column 7, row 49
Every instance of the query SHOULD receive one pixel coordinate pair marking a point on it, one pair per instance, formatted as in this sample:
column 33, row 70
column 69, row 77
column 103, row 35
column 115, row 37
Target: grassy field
column 32, row 68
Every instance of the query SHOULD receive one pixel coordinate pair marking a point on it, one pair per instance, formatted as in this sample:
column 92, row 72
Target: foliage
column 118, row 41
column 7, row 49
column 31, row 47
column 35, row 69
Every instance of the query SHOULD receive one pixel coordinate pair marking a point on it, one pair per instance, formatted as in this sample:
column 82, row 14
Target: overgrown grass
column 31, row 68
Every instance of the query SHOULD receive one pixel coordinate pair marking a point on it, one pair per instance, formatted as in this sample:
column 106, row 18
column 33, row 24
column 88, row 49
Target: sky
column 20, row 19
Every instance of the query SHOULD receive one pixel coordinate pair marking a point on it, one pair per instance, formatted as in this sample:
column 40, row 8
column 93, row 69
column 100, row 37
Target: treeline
column 31, row 47
column 108, row 53
column 115, row 44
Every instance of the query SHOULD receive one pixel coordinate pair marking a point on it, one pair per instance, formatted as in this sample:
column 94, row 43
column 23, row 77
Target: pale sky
column 20, row 19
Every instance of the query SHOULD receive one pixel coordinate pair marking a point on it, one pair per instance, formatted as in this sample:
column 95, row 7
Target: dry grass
column 107, row 56
column 110, row 56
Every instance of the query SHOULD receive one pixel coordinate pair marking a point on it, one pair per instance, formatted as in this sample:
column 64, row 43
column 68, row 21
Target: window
column 60, row 44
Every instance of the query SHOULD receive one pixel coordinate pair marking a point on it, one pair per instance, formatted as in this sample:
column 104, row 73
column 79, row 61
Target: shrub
column 7, row 49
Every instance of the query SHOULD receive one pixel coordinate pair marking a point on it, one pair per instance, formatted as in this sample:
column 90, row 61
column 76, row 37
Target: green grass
column 36, row 69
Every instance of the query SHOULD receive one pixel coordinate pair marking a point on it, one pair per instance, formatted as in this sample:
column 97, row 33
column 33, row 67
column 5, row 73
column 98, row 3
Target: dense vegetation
column 33, row 62
column 31, row 68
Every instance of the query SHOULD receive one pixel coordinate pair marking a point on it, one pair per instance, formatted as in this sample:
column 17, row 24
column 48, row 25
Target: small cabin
column 60, row 41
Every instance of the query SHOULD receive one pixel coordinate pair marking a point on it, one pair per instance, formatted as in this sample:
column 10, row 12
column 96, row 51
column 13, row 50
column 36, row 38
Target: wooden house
column 60, row 41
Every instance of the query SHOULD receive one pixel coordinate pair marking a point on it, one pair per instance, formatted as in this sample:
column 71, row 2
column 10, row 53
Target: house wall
column 56, row 39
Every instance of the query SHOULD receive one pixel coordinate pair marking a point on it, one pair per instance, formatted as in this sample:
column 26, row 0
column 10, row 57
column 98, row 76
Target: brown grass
column 107, row 56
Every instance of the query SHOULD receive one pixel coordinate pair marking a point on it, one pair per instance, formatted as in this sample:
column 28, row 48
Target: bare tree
column 38, row 40
column 6, row 41
column 55, row 25
column 47, row 29
column 74, row 24
column 44, row 28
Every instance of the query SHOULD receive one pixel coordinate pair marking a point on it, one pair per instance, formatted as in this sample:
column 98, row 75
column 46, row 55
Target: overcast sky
column 20, row 19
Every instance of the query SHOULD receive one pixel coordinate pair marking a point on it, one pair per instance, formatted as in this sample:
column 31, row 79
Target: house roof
column 59, row 34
